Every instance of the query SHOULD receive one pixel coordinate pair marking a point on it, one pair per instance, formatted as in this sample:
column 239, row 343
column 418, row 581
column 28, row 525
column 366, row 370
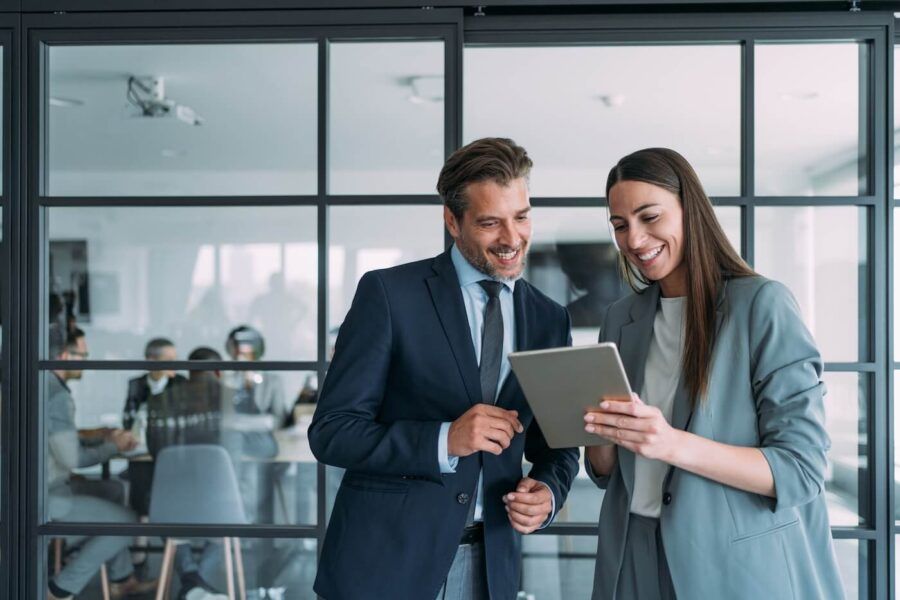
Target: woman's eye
column 650, row 218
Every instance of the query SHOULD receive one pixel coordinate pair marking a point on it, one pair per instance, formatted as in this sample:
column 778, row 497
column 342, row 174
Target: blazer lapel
column 448, row 302
column 634, row 343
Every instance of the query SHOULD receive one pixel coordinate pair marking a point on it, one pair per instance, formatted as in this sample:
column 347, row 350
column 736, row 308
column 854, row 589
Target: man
column 153, row 382
column 82, row 500
column 421, row 409
column 140, row 390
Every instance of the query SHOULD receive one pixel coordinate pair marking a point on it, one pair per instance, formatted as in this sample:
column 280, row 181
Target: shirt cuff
column 552, row 506
column 447, row 463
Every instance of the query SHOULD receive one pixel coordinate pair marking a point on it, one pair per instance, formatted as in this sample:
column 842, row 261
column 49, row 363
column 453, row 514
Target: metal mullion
column 248, row 22
column 382, row 200
column 169, row 201
column 850, row 367
column 322, row 296
column 748, row 148
column 853, row 533
column 178, row 365
column 635, row 24
column 59, row 528
column 878, row 153
column 789, row 201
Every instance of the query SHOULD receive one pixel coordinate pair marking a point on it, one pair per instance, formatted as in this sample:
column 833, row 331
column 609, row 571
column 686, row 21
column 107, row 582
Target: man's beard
column 483, row 264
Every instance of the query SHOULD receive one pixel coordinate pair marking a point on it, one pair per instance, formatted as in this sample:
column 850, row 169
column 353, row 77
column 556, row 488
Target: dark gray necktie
column 491, row 341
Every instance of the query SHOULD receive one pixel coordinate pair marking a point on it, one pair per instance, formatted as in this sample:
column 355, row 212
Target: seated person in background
column 196, row 407
column 82, row 500
column 253, row 406
column 140, row 389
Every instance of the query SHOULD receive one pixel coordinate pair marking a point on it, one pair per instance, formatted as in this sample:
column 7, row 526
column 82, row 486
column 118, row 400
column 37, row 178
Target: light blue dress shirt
column 475, row 299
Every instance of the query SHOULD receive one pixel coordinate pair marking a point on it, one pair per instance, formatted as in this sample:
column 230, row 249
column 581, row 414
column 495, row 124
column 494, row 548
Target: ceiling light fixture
column 801, row 95
column 148, row 94
column 611, row 100
column 423, row 88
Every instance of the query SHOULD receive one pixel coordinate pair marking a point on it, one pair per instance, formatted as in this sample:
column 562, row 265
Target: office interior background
column 177, row 169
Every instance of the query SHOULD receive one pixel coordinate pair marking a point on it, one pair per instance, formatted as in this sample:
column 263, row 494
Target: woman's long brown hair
column 708, row 255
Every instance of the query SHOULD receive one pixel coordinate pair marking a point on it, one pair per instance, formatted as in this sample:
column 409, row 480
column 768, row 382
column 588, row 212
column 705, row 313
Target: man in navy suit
column 421, row 409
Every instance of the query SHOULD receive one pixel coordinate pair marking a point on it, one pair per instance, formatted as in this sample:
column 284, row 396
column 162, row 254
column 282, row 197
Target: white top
column 661, row 374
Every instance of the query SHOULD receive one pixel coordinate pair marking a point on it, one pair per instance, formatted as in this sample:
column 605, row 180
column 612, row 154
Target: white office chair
column 196, row 484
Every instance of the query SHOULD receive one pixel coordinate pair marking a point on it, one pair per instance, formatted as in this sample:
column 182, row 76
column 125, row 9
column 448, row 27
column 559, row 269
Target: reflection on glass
column 820, row 254
column 182, row 120
column 272, row 569
column 190, row 274
column 808, row 141
column 100, row 423
column 578, row 110
column 386, row 117
column 364, row 238
column 574, row 261
column 852, row 559
column 896, row 137
column 556, row 567
column 845, row 417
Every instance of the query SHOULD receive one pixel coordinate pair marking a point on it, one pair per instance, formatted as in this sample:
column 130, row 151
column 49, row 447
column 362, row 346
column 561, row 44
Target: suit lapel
column 448, row 302
column 634, row 343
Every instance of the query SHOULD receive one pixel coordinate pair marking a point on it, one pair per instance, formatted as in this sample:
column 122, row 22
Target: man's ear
column 452, row 224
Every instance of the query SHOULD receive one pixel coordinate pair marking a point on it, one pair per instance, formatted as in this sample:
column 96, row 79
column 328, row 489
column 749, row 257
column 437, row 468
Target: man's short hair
column 500, row 160
column 153, row 349
column 204, row 353
column 60, row 341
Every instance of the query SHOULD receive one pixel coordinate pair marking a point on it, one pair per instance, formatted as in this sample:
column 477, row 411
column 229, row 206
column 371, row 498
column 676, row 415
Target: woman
column 715, row 476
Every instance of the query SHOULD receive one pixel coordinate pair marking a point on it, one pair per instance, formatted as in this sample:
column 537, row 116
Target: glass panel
column 808, row 139
column 578, row 110
column 364, row 238
column 273, row 569
column 189, row 274
column 896, row 445
column 386, row 117
column 182, row 120
column 896, row 136
column 105, row 435
column 852, row 558
column 896, row 243
column 845, row 420
column 556, row 567
column 730, row 219
column 820, row 254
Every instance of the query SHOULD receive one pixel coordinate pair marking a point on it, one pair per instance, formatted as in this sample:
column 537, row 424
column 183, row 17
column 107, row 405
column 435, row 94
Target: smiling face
column 649, row 228
column 494, row 231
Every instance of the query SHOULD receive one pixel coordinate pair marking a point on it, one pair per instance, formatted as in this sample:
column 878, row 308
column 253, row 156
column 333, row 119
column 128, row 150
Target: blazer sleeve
column 345, row 431
column 786, row 369
column 554, row 467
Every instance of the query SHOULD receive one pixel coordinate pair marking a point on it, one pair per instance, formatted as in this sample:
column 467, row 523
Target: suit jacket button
column 463, row 498
column 667, row 498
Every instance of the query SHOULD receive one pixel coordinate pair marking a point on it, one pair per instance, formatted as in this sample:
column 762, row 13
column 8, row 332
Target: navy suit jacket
column 403, row 364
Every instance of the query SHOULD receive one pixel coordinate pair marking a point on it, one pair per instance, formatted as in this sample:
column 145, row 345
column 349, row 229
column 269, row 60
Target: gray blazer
column 764, row 391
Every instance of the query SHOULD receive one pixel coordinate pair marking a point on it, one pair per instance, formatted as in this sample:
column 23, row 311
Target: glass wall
column 203, row 211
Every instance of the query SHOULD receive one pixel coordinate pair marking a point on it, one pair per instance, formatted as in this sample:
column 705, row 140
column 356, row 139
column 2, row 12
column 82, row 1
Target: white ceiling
column 259, row 105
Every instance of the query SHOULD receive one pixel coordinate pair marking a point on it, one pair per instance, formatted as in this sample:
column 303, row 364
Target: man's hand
column 529, row 506
column 483, row 427
column 124, row 440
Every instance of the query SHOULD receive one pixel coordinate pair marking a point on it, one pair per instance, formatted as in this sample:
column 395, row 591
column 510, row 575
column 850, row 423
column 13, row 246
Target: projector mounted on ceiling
column 148, row 94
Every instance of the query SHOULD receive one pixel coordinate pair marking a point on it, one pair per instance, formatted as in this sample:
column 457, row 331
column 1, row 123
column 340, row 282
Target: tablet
column 560, row 383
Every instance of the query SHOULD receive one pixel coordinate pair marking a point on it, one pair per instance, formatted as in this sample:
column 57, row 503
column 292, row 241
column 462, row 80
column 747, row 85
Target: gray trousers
column 645, row 572
column 71, row 503
column 467, row 579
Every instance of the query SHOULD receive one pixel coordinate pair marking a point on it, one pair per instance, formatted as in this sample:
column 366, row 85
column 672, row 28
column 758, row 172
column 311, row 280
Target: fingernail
column 507, row 508
column 589, row 418
column 511, row 496
column 604, row 405
column 589, row 428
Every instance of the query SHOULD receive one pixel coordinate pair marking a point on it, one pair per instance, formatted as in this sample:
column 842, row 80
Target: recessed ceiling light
column 801, row 95
column 611, row 100
column 172, row 153
column 65, row 102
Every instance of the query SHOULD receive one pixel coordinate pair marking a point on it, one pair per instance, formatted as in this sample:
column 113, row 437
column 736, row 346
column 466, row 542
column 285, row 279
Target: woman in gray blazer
column 715, row 475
